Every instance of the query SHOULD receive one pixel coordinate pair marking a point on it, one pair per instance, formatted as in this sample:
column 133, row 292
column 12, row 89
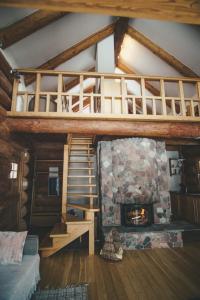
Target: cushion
column 11, row 246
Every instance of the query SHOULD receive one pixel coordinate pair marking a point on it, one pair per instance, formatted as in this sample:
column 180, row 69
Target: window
column 53, row 181
column 13, row 172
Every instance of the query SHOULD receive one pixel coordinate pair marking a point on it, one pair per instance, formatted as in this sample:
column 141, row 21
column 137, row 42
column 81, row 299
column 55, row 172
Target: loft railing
column 96, row 95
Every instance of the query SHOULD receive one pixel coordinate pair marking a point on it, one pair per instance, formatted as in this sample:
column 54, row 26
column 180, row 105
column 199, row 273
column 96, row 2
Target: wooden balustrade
column 105, row 95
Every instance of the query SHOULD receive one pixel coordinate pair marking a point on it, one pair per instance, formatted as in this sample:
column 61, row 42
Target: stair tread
column 81, row 185
column 76, row 220
column 78, row 161
column 82, row 155
column 80, row 169
column 59, row 230
column 81, row 149
column 82, row 195
column 83, row 207
column 81, row 176
column 46, row 243
column 76, row 143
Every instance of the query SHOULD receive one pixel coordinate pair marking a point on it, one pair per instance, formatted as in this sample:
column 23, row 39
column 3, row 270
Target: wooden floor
column 143, row 274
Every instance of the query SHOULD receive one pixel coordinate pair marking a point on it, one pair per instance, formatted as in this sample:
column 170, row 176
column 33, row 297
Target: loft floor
column 158, row 274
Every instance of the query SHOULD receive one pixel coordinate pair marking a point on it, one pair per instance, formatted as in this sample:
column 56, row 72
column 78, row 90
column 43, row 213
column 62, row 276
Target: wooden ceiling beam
column 158, row 51
column 73, row 51
column 105, row 127
column 121, row 27
column 184, row 11
column 26, row 26
column 154, row 91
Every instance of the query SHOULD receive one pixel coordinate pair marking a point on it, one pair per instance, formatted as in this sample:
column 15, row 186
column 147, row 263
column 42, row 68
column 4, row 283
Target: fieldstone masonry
column 135, row 170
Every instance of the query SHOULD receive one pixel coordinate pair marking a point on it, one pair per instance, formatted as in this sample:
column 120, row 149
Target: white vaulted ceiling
column 180, row 40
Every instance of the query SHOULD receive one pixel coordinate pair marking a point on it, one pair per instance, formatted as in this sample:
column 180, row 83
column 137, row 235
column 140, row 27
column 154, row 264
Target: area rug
column 71, row 292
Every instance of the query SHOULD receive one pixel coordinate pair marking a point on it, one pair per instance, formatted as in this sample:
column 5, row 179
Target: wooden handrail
column 112, row 96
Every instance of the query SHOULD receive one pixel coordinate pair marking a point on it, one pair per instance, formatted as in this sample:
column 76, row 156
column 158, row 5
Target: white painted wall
column 9, row 16
column 53, row 39
column 105, row 55
column 180, row 40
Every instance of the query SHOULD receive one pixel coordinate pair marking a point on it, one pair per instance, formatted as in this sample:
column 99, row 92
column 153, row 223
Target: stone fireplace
column 134, row 185
column 136, row 215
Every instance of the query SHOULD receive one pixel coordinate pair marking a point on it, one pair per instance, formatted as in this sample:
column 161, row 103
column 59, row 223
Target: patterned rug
column 71, row 292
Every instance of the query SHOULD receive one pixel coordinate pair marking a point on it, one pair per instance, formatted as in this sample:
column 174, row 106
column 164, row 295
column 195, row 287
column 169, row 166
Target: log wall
column 45, row 208
column 10, row 152
column 6, row 83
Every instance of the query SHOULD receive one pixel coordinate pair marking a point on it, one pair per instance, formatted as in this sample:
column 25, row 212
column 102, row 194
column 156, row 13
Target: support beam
column 154, row 91
column 184, row 11
column 26, row 26
column 120, row 30
column 164, row 55
column 73, row 51
column 105, row 127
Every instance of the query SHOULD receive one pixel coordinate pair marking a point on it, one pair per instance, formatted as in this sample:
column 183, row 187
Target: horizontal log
column 5, row 84
column 5, row 67
column 3, row 112
column 164, row 129
column 4, row 130
column 5, row 100
column 185, row 11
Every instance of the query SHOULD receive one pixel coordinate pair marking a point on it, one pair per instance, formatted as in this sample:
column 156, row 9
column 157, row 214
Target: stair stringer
column 58, row 243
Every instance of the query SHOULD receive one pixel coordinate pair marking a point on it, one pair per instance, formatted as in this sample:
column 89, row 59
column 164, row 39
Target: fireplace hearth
column 136, row 215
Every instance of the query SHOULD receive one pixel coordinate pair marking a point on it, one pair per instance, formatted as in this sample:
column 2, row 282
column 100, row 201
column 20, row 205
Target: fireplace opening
column 136, row 214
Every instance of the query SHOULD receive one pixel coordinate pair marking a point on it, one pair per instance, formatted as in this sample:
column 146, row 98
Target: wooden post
column 102, row 95
column 90, row 216
column 26, row 101
column 65, row 177
column 124, row 94
column 81, row 94
column 162, row 93
column 144, row 104
column 37, row 93
column 92, row 104
column 70, row 103
column 181, row 92
column 154, row 106
column 48, row 102
column 134, row 106
column 14, row 95
column 59, row 98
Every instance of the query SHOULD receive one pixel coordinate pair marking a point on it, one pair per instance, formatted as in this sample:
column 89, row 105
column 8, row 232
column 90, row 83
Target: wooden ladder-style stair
column 79, row 184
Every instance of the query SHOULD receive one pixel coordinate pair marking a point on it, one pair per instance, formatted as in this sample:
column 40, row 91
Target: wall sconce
column 175, row 166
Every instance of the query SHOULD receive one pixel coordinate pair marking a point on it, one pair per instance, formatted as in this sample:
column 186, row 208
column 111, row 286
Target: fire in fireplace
column 136, row 214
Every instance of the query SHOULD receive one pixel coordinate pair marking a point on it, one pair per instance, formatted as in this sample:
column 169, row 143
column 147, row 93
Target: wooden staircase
column 78, row 197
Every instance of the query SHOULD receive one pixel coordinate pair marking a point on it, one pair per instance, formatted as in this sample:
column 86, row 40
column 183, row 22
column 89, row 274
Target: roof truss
column 27, row 26
column 160, row 52
column 120, row 30
column 74, row 50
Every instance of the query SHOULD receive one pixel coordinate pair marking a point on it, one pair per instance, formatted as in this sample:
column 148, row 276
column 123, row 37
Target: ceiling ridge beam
column 184, row 11
column 121, row 28
column 26, row 26
column 160, row 52
column 154, row 91
column 73, row 51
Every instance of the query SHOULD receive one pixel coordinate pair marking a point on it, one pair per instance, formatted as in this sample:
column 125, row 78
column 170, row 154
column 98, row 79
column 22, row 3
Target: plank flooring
column 153, row 274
